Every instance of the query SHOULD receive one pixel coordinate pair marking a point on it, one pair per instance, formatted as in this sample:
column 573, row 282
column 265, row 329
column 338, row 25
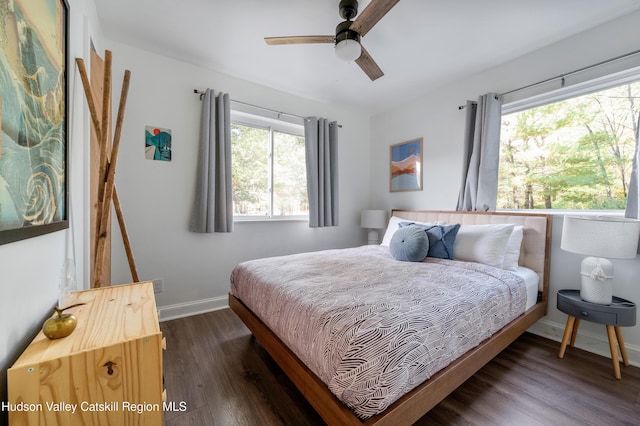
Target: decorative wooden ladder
column 106, row 183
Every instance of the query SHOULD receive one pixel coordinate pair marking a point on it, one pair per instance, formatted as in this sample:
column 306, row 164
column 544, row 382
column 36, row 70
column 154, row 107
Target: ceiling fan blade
column 371, row 15
column 369, row 66
column 272, row 41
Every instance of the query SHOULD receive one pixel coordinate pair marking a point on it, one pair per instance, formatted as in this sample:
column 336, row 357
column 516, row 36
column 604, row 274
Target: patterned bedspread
column 373, row 328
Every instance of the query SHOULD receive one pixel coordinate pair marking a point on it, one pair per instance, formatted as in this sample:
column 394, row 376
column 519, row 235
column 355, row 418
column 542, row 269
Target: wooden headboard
column 536, row 242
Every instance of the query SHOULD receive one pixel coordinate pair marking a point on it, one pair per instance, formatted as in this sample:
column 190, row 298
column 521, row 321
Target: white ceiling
column 419, row 44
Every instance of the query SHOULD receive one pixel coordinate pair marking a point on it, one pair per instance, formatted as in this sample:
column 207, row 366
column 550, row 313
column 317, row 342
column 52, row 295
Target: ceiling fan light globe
column 348, row 50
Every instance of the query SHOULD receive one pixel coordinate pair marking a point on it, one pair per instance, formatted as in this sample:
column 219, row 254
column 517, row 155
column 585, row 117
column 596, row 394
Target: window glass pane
column 289, row 175
column 573, row 154
column 250, row 170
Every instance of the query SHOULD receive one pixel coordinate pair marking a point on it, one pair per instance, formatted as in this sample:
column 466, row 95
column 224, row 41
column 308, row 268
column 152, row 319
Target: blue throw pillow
column 409, row 244
column 442, row 238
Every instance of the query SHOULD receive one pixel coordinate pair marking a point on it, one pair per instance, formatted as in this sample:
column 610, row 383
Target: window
column 573, row 152
column 268, row 168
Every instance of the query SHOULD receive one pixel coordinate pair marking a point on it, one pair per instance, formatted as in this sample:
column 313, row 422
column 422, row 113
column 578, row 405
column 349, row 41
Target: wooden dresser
column 107, row 372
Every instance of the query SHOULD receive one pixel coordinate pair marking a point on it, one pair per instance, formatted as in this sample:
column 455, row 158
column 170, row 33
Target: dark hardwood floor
column 220, row 375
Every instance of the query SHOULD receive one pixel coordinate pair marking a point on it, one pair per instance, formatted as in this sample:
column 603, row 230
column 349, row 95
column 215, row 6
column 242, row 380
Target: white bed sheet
column 531, row 280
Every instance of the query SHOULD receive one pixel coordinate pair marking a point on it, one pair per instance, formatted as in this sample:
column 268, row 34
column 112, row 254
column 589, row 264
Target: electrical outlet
column 157, row 285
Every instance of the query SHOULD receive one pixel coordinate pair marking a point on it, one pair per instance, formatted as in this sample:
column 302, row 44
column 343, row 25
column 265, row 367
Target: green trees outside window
column 572, row 154
column 268, row 172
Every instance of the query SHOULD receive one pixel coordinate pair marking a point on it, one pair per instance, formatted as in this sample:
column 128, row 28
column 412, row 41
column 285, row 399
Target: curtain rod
column 562, row 76
column 201, row 93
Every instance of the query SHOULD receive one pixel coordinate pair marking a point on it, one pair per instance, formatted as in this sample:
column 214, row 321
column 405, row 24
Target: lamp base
column 373, row 238
column 596, row 285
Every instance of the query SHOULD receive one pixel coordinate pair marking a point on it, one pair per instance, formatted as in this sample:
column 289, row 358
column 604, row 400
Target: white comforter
column 372, row 328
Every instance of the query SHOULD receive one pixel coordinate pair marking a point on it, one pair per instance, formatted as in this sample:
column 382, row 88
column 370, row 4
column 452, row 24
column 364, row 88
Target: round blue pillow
column 409, row 244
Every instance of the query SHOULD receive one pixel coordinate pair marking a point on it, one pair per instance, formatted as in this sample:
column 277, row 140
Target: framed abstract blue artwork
column 406, row 166
column 157, row 143
column 33, row 118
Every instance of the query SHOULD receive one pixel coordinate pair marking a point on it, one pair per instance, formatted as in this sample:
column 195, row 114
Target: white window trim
column 264, row 122
column 572, row 90
column 568, row 212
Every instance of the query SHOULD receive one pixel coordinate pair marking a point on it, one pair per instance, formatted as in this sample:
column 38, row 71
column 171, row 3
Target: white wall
column 157, row 196
column 30, row 269
column 436, row 118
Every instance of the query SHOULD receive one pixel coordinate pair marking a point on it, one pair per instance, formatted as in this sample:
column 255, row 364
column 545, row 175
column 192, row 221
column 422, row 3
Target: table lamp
column 599, row 237
column 374, row 220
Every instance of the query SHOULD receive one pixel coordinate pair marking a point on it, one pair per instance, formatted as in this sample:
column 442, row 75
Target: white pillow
column 393, row 226
column 482, row 243
column 512, row 252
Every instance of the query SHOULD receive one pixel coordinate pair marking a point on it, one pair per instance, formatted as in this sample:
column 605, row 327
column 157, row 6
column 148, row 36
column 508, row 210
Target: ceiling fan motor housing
column 348, row 9
column 343, row 32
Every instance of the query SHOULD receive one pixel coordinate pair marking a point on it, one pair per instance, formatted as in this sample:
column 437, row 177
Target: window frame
column 568, row 91
column 290, row 126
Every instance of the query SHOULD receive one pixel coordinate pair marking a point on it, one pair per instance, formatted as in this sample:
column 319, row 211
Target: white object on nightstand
column 373, row 220
column 599, row 237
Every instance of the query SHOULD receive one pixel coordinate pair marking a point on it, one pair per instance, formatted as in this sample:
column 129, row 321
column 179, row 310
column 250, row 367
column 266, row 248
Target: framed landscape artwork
column 34, row 120
column 406, row 166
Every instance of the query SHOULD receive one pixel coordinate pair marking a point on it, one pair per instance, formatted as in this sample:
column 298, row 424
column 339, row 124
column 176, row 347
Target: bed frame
column 413, row 405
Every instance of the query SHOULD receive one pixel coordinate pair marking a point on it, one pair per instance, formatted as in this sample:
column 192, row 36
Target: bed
column 339, row 368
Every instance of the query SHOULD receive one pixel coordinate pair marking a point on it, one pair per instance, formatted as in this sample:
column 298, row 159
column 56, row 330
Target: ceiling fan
column 348, row 34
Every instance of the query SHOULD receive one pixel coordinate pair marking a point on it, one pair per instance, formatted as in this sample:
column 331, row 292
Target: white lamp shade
column 373, row 219
column 599, row 236
column 348, row 50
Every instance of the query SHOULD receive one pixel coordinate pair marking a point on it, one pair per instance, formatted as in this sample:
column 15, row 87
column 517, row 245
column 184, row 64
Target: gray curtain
column 213, row 205
column 321, row 139
column 633, row 206
column 479, row 187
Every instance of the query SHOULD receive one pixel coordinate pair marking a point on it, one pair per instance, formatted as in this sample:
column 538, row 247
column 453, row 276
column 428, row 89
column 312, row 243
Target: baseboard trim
column 187, row 309
column 585, row 340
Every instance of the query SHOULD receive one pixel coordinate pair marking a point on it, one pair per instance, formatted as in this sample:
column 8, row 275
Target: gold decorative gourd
column 61, row 325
